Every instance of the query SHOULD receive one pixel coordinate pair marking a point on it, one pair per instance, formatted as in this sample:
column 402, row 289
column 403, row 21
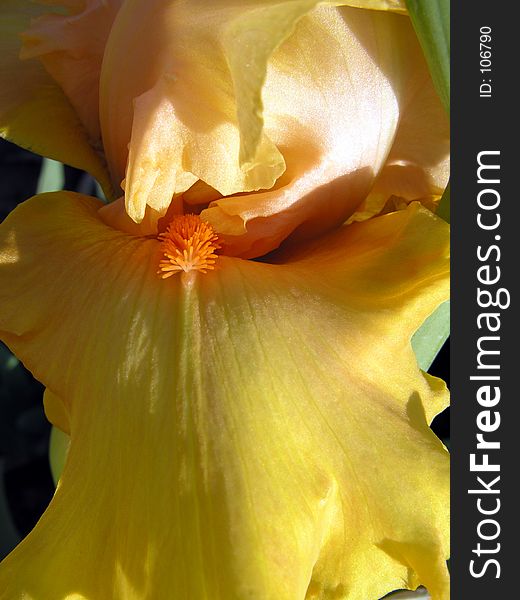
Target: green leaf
column 430, row 337
column 52, row 177
column 431, row 20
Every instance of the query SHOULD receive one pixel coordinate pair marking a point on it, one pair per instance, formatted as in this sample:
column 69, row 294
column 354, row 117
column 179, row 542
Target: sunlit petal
column 228, row 94
column 197, row 72
column 335, row 95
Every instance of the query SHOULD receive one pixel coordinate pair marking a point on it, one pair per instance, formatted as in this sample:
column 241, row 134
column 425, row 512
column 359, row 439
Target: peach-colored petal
column 71, row 47
column 417, row 167
column 208, row 100
column 231, row 96
column 191, row 108
column 335, row 93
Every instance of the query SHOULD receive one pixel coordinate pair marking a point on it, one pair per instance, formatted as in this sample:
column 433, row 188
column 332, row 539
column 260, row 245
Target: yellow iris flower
column 239, row 428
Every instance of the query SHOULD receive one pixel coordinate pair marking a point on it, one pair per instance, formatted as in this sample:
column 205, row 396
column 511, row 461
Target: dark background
column 24, row 431
column 26, row 484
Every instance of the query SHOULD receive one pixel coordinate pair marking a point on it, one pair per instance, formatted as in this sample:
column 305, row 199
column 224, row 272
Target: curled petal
column 337, row 94
column 244, row 433
column 228, row 94
column 196, row 81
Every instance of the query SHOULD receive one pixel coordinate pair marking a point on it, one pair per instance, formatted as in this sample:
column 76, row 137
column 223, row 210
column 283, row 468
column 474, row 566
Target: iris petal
column 341, row 94
column 34, row 112
column 71, row 47
column 229, row 95
column 196, row 80
column 249, row 432
column 417, row 167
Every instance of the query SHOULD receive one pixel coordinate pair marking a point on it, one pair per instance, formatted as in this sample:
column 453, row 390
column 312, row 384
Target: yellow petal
column 334, row 96
column 34, row 111
column 71, row 47
column 247, row 433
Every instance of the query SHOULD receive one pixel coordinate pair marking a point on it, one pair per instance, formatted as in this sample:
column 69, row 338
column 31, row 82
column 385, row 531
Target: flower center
column 188, row 244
